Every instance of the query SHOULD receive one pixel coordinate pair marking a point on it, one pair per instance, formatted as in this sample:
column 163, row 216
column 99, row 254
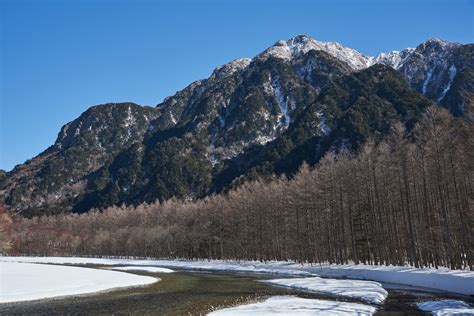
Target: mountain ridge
column 192, row 143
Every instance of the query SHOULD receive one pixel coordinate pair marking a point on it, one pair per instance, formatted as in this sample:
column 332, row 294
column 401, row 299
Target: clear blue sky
column 57, row 58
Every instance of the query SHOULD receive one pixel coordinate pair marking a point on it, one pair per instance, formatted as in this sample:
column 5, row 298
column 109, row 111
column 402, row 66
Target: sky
column 57, row 58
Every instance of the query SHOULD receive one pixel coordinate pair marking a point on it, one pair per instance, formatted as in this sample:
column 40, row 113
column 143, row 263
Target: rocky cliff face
column 250, row 118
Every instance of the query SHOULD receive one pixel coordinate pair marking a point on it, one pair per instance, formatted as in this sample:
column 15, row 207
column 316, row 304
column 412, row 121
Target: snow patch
column 263, row 139
column 129, row 122
column 129, row 119
column 145, row 269
column 292, row 305
column 429, row 73
column 25, row 281
column 323, row 126
column 172, row 118
column 282, row 102
column 211, row 154
column 275, row 89
column 452, row 73
column 446, row 307
column 368, row 291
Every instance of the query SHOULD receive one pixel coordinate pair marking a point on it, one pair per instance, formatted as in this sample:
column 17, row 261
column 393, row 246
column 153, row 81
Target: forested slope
column 408, row 199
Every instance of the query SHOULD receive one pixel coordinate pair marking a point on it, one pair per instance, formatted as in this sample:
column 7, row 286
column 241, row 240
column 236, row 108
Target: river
column 196, row 293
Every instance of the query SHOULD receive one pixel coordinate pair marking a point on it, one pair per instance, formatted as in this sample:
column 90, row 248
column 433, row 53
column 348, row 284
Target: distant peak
column 301, row 44
column 436, row 43
column 301, row 39
column 436, row 40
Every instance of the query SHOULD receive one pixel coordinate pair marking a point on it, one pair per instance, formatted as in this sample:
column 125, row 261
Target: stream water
column 196, row 293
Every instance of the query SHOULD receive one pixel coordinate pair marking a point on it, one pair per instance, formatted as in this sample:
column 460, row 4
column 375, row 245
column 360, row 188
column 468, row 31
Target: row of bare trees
column 409, row 199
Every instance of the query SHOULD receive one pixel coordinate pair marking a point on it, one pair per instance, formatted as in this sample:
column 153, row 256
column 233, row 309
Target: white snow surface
column 25, row 281
column 446, row 307
column 323, row 126
column 395, row 59
column 292, row 305
column 456, row 281
column 369, row 291
column 282, row 101
column 204, row 265
column 144, row 269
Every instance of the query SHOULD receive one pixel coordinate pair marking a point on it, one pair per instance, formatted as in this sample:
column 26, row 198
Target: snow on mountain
column 393, row 58
column 428, row 60
column 429, row 68
column 452, row 74
column 229, row 69
column 302, row 44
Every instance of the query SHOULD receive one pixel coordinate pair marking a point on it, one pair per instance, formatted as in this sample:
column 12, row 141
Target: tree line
column 406, row 200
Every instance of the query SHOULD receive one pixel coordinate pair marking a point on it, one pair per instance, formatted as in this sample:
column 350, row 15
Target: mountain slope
column 439, row 70
column 251, row 117
column 53, row 181
column 350, row 110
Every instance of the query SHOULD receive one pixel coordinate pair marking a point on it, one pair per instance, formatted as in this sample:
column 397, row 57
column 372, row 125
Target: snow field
column 292, row 305
column 456, row 281
column 144, row 269
column 26, row 281
column 368, row 291
column 446, row 307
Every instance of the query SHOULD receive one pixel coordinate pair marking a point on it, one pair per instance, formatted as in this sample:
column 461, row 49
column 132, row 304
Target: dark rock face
column 251, row 118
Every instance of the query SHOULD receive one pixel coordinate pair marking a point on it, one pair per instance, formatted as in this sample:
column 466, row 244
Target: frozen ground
column 24, row 281
column 292, row 305
column 446, row 307
column 211, row 265
column 368, row 291
column 456, row 281
column 144, row 269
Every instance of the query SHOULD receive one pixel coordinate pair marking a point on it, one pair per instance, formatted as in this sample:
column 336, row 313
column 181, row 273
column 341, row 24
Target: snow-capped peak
column 437, row 41
column 434, row 45
column 427, row 58
column 393, row 58
column 302, row 44
column 231, row 68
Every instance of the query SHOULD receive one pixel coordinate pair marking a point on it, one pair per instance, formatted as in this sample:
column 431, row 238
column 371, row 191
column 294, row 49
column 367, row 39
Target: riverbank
column 455, row 281
column 234, row 292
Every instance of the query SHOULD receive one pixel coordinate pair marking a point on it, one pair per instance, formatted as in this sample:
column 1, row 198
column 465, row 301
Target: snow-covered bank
column 446, row 307
column 368, row 291
column 144, row 269
column 211, row 265
column 24, row 281
column 457, row 281
column 292, row 305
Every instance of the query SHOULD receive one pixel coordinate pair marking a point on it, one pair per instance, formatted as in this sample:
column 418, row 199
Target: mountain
column 440, row 70
column 55, row 178
column 254, row 117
